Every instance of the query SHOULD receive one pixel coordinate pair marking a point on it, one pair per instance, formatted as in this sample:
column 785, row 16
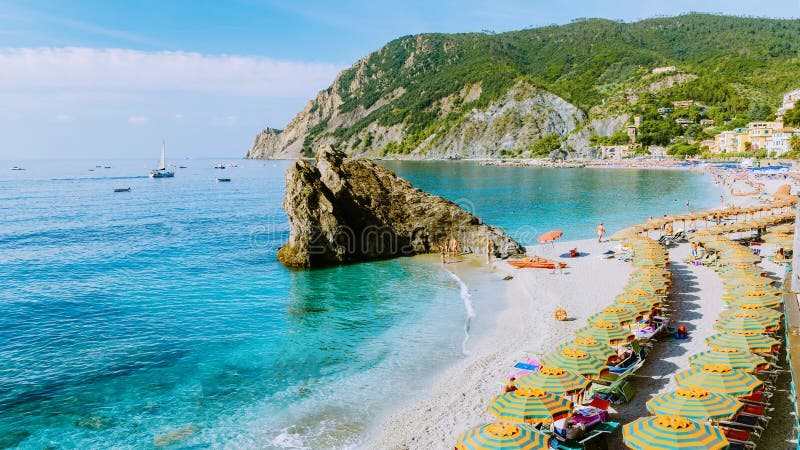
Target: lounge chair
column 615, row 387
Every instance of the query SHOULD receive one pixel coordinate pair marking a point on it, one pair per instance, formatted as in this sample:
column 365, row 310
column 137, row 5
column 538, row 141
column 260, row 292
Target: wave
column 466, row 297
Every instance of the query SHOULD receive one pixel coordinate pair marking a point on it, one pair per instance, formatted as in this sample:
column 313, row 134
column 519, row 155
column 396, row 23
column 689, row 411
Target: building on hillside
column 632, row 133
column 637, row 121
column 664, row 111
column 741, row 139
column 724, row 142
column 789, row 100
column 707, row 123
column 665, row 69
column 709, row 145
column 779, row 141
column 683, row 121
column 760, row 132
column 657, row 151
column 683, row 103
column 777, row 125
column 614, row 151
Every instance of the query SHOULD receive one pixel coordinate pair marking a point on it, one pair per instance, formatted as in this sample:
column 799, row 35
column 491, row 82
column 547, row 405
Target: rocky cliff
column 529, row 92
column 345, row 210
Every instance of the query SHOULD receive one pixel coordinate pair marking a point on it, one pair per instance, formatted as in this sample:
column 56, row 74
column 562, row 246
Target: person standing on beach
column 489, row 250
column 442, row 254
column 687, row 205
column 601, row 230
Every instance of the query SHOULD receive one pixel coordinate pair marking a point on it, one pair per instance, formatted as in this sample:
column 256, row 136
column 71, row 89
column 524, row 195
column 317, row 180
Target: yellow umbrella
column 672, row 432
column 530, row 406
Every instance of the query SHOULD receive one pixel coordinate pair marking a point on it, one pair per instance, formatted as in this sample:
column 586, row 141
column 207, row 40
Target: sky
column 112, row 78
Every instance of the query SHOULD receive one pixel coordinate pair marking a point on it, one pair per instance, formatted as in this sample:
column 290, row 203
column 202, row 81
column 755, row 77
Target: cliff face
column 347, row 210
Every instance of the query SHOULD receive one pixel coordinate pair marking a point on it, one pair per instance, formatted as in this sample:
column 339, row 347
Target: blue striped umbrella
column 672, row 432
column 503, row 435
column 719, row 378
column 695, row 404
column 530, row 406
column 737, row 358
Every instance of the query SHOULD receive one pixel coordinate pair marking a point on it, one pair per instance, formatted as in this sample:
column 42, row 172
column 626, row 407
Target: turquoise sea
column 161, row 317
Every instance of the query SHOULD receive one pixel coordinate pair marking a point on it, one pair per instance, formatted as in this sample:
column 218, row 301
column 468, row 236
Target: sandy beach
column 458, row 399
column 525, row 326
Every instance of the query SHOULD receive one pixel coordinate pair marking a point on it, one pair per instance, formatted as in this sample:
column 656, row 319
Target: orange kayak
column 535, row 263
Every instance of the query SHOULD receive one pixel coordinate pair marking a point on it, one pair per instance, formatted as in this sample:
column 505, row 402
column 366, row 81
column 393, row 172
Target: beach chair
column 614, row 387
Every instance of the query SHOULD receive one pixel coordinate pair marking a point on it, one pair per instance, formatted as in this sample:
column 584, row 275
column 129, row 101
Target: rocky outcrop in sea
column 345, row 210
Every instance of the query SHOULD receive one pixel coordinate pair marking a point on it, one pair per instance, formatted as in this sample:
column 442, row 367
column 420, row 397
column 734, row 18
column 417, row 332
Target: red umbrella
column 550, row 236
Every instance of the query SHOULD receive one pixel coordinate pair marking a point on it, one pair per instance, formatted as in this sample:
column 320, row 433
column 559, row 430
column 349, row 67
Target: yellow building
column 740, row 139
column 761, row 132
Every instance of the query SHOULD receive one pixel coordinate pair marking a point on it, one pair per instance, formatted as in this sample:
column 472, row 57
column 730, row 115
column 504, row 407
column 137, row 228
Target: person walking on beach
column 489, row 250
column 694, row 250
column 687, row 205
column 601, row 230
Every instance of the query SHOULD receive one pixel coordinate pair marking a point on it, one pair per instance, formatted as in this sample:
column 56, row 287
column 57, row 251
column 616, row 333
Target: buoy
column 561, row 314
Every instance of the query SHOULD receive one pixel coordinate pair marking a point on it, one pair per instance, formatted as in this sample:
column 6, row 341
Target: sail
column 161, row 163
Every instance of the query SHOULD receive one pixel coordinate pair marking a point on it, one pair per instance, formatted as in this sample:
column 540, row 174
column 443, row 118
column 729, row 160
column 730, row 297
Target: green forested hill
column 741, row 65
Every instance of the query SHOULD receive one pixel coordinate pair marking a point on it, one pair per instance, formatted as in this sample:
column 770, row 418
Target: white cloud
column 138, row 120
column 225, row 121
column 178, row 116
column 87, row 69
column 64, row 117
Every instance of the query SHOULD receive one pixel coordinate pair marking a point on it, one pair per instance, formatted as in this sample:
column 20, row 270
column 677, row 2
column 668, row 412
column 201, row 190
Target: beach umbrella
column 741, row 325
column 645, row 262
column 589, row 345
column 617, row 315
column 719, row 378
column 767, row 301
column 730, row 317
column 637, row 306
column 695, row 404
column 672, row 432
column 530, row 406
column 737, row 358
column 605, row 332
column 750, row 281
column 578, row 361
column 555, row 380
column 649, row 300
column 503, row 435
column 550, row 236
column 769, row 313
column 756, row 343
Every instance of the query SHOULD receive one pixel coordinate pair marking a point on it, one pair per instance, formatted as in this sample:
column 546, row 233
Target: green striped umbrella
column 602, row 350
column 740, row 325
column 672, row 432
column 765, row 301
column 655, row 272
column 740, row 272
column 578, row 361
column 719, row 378
column 530, row 406
column 617, row 315
column 648, row 295
column 755, row 290
column 695, row 404
column 637, row 306
column 769, row 313
column 555, row 380
column 606, row 332
column 763, row 322
column 756, row 343
column 754, row 281
column 737, row 358
column 503, row 435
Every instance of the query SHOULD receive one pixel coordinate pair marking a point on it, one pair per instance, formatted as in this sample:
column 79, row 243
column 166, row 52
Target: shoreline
column 457, row 399
column 467, row 386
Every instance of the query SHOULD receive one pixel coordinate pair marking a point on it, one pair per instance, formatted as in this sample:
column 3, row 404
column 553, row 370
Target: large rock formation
column 348, row 210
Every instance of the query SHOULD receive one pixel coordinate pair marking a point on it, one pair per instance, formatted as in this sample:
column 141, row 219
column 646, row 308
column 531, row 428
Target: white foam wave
column 466, row 297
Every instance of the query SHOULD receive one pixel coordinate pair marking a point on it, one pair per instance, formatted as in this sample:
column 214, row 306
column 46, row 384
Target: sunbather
column 511, row 387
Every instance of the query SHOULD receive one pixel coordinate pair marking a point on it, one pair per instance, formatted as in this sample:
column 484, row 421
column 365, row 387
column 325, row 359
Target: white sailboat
column 161, row 171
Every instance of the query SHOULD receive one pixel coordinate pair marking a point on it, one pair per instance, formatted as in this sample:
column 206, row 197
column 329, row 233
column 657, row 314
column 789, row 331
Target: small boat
column 98, row 167
column 223, row 180
column 232, row 165
column 161, row 171
column 106, row 167
column 17, row 168
column 535, row 263
column 123, row 189
column 219, row 166
column 181, row 167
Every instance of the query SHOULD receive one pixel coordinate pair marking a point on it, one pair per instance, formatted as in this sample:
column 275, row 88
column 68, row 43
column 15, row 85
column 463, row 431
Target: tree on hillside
column 794, row 142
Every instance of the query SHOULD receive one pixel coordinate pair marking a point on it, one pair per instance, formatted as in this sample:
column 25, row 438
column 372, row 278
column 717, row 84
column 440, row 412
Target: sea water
column 161, row 317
